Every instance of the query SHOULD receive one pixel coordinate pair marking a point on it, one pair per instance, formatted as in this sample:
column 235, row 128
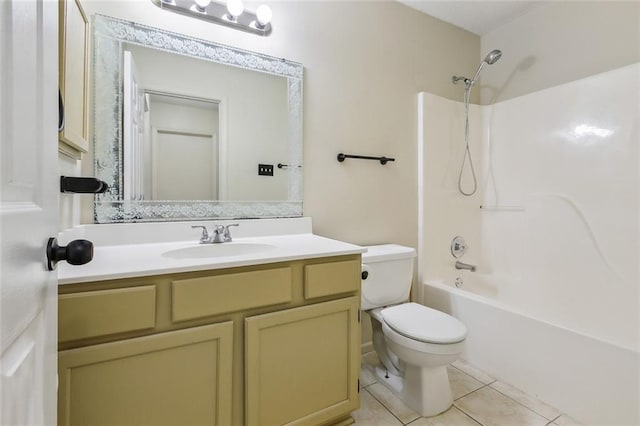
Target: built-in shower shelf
column 503, row 208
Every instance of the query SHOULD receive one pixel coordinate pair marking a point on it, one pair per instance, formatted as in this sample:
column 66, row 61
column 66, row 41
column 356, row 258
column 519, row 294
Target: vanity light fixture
column 230, row 14
column 234, row 9
column 201, row 5
column 263, row 16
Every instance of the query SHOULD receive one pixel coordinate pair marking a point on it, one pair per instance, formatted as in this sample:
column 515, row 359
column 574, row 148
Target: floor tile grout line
column 385, row 407
column 370, row 384
column 462, row 410
column 469, row 393
column 484, row 385
column 528, row 408
column 474, row 377
column 467, row 414
column 552, row 422
column 516, row 401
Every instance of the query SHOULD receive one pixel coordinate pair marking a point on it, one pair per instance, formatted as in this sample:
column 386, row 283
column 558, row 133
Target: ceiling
column 478, row 16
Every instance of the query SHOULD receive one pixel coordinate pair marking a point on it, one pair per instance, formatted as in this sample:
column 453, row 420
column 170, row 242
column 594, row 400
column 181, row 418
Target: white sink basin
column 217, row 250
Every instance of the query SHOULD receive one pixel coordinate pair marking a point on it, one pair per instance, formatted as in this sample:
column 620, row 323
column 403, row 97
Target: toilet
column 413, row 342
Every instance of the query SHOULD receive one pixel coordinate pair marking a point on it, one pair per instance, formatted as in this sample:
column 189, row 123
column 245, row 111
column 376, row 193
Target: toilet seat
column 424, row 324
column 423, row 347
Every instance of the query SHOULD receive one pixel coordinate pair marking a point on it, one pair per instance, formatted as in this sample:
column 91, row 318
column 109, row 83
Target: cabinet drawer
column 326, row 279
column 206, row 296
column 104, row 312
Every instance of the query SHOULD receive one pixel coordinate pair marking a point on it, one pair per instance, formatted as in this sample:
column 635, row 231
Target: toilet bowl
column 413, row 342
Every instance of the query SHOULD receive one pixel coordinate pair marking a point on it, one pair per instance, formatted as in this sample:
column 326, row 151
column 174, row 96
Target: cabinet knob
column 77, row 252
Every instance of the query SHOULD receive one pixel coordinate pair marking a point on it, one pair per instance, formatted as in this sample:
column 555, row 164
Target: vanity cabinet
column 73, row 64
column 261, row 345
column 175, row 378
column 302, row 364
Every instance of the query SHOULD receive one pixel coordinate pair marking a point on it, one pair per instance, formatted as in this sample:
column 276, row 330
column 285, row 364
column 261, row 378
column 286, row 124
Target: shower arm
column 468, row 82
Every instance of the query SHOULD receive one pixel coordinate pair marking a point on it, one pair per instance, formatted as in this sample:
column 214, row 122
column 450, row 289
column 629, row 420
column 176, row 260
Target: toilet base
column 426, row 390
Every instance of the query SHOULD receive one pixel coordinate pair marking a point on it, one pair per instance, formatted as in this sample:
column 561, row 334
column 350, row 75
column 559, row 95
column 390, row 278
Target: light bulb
column 263, row 15
column 201, row 5
column 235, row 8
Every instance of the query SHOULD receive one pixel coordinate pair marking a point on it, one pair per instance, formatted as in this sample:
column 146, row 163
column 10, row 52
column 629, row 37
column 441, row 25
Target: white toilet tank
column 389, row 272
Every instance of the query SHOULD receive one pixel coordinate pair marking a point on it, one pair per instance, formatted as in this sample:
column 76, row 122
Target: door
column 134, row 106
column 29, row 187
column 302, row 364
column 184, row 165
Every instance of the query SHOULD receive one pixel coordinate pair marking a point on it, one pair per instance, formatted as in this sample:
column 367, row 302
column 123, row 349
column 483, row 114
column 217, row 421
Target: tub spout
column 460, row 265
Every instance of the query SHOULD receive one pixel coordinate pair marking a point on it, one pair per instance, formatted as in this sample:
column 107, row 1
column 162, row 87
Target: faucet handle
column 227, row 232
column 204, row 238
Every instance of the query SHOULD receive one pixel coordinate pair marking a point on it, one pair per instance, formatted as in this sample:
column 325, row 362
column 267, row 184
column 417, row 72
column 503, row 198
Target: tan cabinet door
column 302, row 364
column 174, row 378
column 74, row 73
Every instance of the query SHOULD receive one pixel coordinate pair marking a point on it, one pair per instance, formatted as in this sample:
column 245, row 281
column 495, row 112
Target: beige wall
column 364, row 63
column 559, row 42
column 69, row 204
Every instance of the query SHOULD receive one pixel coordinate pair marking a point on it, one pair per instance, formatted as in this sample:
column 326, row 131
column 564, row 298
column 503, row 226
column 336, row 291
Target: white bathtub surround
column 578, row 374
column 557, row 251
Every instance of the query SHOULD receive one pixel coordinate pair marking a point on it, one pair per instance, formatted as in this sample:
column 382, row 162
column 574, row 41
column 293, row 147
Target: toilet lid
column 425, row 324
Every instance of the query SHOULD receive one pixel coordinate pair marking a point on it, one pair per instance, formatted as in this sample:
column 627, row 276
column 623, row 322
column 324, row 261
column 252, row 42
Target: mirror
column 189, row 129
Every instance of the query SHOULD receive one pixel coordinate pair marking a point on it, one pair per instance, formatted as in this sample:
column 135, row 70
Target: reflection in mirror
column 179, row 146
column 189, row 125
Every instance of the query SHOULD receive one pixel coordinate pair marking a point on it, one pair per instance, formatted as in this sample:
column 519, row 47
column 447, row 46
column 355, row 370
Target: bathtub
column 592, row 380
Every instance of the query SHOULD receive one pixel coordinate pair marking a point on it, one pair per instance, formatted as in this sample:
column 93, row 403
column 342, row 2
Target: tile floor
column 479, row 399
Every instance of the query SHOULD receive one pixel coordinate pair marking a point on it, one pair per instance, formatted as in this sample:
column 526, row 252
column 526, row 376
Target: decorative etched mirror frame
column 110, row 207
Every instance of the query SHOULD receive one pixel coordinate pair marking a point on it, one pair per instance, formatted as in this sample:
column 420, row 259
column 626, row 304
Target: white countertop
column 136, row 260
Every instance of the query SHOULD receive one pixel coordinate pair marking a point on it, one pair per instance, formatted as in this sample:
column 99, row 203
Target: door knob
column 77, row 252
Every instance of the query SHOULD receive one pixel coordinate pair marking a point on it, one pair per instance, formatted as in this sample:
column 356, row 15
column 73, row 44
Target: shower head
column 490, row 59
column 493, row 57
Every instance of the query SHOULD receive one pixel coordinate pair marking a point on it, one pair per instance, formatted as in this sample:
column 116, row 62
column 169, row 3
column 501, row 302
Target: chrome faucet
column 461, row 265
column 220, row 234
column 227, row 232
column 204, row 238
column 217, row 236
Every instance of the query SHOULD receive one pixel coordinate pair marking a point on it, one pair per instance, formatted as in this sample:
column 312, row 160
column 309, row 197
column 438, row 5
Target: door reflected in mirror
column 179, row 153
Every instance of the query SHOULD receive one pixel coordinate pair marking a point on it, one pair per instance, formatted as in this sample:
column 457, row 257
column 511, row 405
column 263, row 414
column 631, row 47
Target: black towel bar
column 382, row 160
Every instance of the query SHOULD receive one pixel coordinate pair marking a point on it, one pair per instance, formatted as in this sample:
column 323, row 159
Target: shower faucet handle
column 458, row 247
